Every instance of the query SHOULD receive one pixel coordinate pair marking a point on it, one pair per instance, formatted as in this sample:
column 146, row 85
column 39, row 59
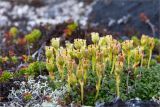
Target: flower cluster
column 80, row 59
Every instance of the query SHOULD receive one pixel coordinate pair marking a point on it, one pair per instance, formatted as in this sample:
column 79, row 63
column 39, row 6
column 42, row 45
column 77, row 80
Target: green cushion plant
column 99, row 66
column 5, row 76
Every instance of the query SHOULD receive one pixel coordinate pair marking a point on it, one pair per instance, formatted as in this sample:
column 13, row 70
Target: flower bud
column 127, row 45
column 50, row 66
column 95, row 37
column 151, row 43
column 79, row 43
column 144, row 40
column 73, row 79
column 55, row 43
column 102, row 41
column 49, row 51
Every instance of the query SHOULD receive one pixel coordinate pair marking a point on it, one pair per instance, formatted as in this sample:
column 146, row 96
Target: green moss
column 72, row 26
column 35, row 68
column 5, row 76
column 1, row 60
column 27, row 96
column 152, row 63
column 158, row 58
column 149, row 84
column 33, row 36
column 14, row 59
column 13, row 31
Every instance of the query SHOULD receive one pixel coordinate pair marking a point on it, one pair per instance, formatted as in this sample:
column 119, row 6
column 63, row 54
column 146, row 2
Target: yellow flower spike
column 69, row 45
column 100, row 67
column 49, row 51
column 79, row 43
column 105, row 52
column 70, row 65
column 95, row 37
column 126, row 47
column 68, row 51
column 117, row 72
column 108, row 38
column 85, row 63
column 116, row 48
column 151, row 43
column 92, row 53
column 73, row 79
column 99, row 56
column 121, row 57
column 55, row 43
column 89, row 49
column 60, row 65
column 79, row 72
column 102, row 41
column 50, row 68
column 116, row 51
column 144, row 40
column 79, row 54
column 151, row 46
column 85, row 66
column 148, row 42
column 60, row 60
column 137, row 56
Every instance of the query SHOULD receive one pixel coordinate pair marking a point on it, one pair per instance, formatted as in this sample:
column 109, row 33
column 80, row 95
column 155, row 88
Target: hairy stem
column 128, row 60
column 117, row 85
column 82, row 91
column 98, row 88
column 142, row 61
column 114, row 60
column 93, row 62
column 150, row 55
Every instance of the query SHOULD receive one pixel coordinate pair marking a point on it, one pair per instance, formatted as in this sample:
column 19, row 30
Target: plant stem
column 150, row 55
column 142, row 61
column 93, row 63
column 114, row 60
column 128, row 60
column 127, row 81
column 117, row 86
column 135, row 77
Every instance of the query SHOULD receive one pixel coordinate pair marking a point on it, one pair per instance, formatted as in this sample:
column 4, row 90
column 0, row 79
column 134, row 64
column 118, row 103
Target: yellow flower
column 55, row 43
column 49, row 51
column 151, row 43
column 73, row 79
column 118, row 67
column 102, row 41
column 127, row 45
column 95, row 37
column 116, row 48
column 144, row 40
column 50, row 66
column 79, row 43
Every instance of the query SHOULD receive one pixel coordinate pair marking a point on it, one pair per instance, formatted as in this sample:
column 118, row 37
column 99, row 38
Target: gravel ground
column 121, row 16
column 27, row 14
